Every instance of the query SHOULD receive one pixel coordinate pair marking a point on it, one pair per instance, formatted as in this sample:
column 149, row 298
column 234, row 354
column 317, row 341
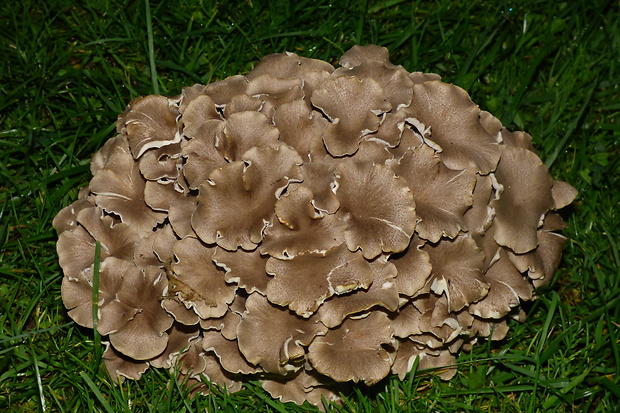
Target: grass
column 550, row 68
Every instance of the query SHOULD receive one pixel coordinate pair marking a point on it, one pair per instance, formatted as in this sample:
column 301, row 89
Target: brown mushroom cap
column 354, row 350
column 441, row 195
column 385, row 218
column 394, row 80
column 154, row 249
column 198, row 112
column 215, row 374
column 455, row 126
column 352, row 106
column 77, row 292
column 414, row 267
column 119, row 189
column 457, row 271
column 76, row 248
column 180, row 216
column 121, row 366
column 244, row 131
column 302, row 128
column 383, row 292
column 227, row 352
column 506, row 287
column 524, row 198
column 202, row 154
column 197, row 281
column 358, row 55
column 313, row 72
column 162, row 164
column 150, row 122
column 135, row 322
column 222, row 215
column 222, row 91
column 182, row 340
column 245, row 268
column 300, row 228
column 303, row 386
column 66, row 219
column 274, row 348
column 305, row 281
column 320, row 178
column 541, row 263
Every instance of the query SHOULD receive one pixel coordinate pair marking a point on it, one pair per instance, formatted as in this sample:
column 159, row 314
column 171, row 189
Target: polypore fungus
column 308, row 227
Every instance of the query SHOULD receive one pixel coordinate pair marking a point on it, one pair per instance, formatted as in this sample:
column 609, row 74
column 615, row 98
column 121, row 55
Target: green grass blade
column 151, row 47
column 96, row 392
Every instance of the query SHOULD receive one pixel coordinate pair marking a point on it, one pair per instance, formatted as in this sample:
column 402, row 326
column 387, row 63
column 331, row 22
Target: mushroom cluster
column 308, row 227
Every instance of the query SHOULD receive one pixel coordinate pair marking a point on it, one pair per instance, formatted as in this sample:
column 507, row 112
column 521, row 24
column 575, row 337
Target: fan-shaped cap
column 420, row 77
column 406, row 357
column 66, row 219
column 180, row 313
column 189, row 93
column 180, row 216
column 222, row 215
column 227, row 324
column 507, row 287
column 439, row 326
column 542, row 262
column 441, row 195
column 441, row 362
column 381, row 293
column 525, row 197
column 455, row 126
column 182, row 351
column 414, row 268
column 77, row 292
column 517, row 139
column 302, row 128
column 159, row 196
column 274, row 92
column 222, row 91
column 244, row 131
column 135, row 322
column 76, row 248
column 320, row 178
column 394, row 80
column 121, row 366
column 150, row 122
column 196, row 281
column 305, row 281
column 480, row 216
column 352, row 106
column 302, row 386
column 203, row 153
column 245, row 268
column 377, row 206
column 563, row 194
column 228, row 354
column 161, row 164
column 391, row 128
column 313, row 72
column 358, row 55
column 119, row 189
column 197, row 114
column 274, row 348
column 155, row 248
column 215, row 374
column 457, row 271
column 354, row 350
column 300, row 228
